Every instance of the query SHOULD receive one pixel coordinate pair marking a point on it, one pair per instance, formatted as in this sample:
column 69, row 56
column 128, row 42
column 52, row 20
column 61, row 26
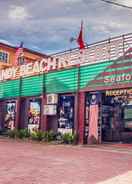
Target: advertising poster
column 34, row 115
column 66, row 114
column 10, row 115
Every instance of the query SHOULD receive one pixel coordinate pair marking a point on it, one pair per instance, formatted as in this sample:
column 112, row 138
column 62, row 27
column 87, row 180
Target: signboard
column 52, row 98
column 111, row 49
column 119, row 78
column 50, row 109
column 119, row 92
column 30, row 69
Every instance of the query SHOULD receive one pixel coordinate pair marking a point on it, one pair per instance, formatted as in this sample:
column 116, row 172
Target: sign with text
column 50, row 109
column 30, row 69
column 119, row 92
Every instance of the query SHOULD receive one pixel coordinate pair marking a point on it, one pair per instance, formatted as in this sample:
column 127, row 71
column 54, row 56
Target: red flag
column 80, row 40
column 19, row 53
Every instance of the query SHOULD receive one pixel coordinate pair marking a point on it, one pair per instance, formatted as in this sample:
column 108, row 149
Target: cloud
column 48, row 25
column 18, row 13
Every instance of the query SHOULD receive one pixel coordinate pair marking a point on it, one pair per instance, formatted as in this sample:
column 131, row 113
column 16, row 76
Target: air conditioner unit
column 52, row 99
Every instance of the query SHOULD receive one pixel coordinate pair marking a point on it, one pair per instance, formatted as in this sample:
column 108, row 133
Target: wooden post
column 18, row 106
column 81, row 115
column 76, row 104
column 43, row 123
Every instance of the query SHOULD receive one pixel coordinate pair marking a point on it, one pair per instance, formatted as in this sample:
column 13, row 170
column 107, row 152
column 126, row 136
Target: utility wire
column 117, row 4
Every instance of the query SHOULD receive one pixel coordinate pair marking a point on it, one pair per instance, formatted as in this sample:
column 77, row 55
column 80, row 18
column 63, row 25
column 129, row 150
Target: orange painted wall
column 29, row 55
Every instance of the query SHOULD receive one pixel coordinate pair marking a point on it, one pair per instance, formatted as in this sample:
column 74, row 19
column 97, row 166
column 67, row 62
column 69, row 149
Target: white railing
column 110, row 49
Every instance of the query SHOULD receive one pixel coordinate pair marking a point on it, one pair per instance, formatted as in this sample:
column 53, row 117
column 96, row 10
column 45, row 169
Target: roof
column 25, row 49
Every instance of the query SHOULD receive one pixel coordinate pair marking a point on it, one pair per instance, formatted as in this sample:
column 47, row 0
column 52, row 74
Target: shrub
column 69, row 138
column 40, row 135
column 49, row 136
column 59, row 137
column 37, row 135
column 33, row 135
column 13, row 133
column 23, row 133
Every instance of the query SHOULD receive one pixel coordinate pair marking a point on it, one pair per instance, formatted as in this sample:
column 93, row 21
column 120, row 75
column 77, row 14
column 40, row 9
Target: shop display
column 34, row 114
column 9, row 122
column 66, row 113
column 128, row 117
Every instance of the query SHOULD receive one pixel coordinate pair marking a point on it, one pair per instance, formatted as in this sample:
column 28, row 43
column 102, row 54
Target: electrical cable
column 117, row 4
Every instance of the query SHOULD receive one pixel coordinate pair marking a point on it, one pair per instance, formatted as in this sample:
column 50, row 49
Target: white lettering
column 128, row 77
column 36, row 67
column 123, row 77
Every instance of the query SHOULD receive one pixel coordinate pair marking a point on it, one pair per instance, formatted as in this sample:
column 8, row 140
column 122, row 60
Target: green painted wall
column 116, row 69
column 62, row 81
column 9, row 89
column 32, row 86
column 90, row 72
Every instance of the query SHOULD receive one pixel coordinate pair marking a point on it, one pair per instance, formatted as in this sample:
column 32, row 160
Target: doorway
column 116, row 118
column 66, row 113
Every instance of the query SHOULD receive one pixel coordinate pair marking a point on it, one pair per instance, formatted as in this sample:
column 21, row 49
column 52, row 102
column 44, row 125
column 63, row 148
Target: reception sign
column 119, row 92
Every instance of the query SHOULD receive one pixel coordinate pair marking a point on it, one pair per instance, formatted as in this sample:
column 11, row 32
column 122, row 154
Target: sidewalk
column 36, row 163
column 121, row 179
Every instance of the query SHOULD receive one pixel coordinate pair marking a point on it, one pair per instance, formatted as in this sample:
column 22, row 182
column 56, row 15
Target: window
column 21, row 60
column 128, row 117
column 4, row 56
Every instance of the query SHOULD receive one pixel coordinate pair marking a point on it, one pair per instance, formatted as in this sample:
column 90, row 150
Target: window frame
column 5, row 52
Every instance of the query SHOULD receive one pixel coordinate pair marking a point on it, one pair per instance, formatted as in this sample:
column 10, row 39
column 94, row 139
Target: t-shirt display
column 66, row 113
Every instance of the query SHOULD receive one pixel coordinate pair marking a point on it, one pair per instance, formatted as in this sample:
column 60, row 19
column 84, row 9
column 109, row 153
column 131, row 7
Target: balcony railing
column 110, row 49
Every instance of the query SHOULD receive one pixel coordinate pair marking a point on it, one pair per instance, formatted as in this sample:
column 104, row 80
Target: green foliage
column 37, row 135
column 59, row 137
column 23, row 133
column 13, row 133
column 33, row 135
column 69, row 138
column 49, row 136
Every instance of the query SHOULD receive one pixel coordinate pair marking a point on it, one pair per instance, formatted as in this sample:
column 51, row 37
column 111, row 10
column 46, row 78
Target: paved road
column 34, row 163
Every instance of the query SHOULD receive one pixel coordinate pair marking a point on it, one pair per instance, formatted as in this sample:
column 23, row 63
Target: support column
column 44, row 119
column 81, row 115
column 1, row 115
column 17, row 120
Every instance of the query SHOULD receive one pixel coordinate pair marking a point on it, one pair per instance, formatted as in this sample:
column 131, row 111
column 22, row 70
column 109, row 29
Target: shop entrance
column 34, row 114
column 30, row 113
column 66, row 113
column 116, row 114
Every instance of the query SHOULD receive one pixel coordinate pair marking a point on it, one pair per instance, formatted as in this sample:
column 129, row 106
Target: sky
column 47, row 25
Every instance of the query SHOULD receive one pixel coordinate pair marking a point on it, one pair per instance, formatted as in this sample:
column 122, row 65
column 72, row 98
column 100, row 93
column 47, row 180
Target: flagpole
column 81, row 48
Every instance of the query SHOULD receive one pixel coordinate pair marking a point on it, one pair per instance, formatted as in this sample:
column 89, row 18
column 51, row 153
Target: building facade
column 8, row 54
column 87, row 92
